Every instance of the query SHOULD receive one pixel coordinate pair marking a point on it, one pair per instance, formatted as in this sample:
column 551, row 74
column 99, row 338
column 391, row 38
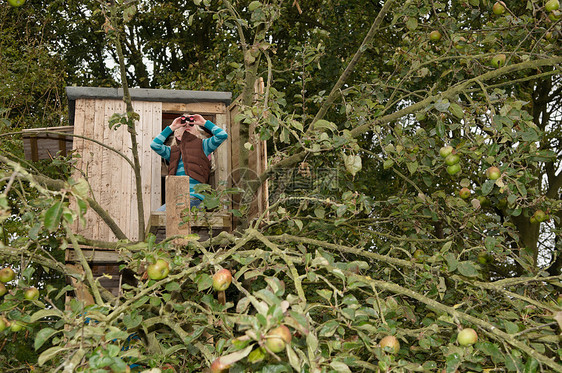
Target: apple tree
column 414, row 212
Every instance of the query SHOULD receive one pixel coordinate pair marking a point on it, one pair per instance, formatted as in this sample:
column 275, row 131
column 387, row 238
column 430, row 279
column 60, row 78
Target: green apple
column 16, row 3
column 467, row 337
column 484, row 258
column 277, row 338
column 158, row 270
column 502, row 203
column 218, row 367
column 16, row 326
column 222, row 280
column 454, row 169
column 465, row 193
column 498, row 60
column 551, row 5
column 4, row 324
column 540, row 216
column 3, row 289
column 418, row 253
column 484, row 202
column 498, row 8
column 31, row 293
column 493, row 173
column 555, row 15
column 445, row 151
column 435, row 35
column 390, row 344
column 7, row 275
column 452, row 159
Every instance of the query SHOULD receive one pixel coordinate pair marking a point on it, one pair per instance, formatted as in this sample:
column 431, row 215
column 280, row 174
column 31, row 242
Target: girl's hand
column 177, row 124
column 198, row 120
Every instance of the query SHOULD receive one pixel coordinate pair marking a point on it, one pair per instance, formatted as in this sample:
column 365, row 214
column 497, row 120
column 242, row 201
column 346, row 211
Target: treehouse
column 98, row 150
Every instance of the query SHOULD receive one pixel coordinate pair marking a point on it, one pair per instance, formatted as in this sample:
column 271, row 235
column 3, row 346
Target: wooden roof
column 144, row 94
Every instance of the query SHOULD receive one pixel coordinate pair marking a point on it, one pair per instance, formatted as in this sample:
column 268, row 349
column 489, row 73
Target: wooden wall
column 110, row 175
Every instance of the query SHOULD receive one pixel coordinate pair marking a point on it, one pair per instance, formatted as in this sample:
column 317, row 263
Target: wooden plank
column 111, row 171
column 106, row 170
column 216, row 220
column 198, row 108
column 125, row 169
column 96, row 256
column 156, row 160
column 221, row 155
column 87, row 156
column 40, row 145
column 77, row 147
column 177, row 205
column 95, row 171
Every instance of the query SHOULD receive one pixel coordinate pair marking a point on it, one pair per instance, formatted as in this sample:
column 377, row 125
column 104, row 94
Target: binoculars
column 189, row 119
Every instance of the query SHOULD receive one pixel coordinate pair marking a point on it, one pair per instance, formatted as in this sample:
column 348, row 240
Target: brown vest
column 197, row 165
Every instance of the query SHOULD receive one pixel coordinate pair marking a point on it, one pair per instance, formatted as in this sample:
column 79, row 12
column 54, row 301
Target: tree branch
column 351, row 66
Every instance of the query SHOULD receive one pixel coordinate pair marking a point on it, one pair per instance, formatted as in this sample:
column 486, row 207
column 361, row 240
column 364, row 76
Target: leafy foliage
column 366, row 235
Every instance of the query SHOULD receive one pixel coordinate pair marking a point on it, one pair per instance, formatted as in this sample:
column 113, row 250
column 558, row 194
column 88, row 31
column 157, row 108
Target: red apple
column 7, row 274
column 465, row 193
column 218, row 367
column 435, row 35
column 158, row 270
column 467, row 337
column 31, row 293
column 222, row 280
column 493, row 173
column 391, row 342
column 498, row 8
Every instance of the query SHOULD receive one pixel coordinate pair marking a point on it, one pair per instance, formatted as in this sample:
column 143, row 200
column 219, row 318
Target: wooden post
column 177, row 206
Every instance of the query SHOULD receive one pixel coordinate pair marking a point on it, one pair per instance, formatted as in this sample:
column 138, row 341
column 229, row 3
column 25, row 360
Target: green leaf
column 254, row 5
column 257, row 355
column 456, row 110
column 412, row 23
column 487, row 187
column 387, row 164
column 53, row 216
column 236, row 356
column 43, row 335
column 49, row 354
column 204, row 282
column 490, row 349
column 132, row 320
column 412, row 167
column 340, row 367
column 45, row 313
column 468, row 269
column 324, row 125
column 352, row 163
column 173, row 286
